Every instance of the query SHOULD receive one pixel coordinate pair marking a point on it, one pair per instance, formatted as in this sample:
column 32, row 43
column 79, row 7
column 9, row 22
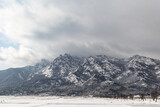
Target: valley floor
column 36, row 101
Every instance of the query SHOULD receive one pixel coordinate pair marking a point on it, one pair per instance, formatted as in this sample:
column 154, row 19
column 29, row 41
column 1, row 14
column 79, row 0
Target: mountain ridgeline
column 83, row 76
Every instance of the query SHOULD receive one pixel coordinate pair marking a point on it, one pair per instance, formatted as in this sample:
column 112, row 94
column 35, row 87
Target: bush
column 154, row 96
column 142, row 96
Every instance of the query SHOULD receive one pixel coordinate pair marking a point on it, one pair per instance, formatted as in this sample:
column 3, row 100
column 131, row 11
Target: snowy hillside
column 73, row 75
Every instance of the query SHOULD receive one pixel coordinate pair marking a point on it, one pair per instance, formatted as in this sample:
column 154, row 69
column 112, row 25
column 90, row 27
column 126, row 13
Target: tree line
column 142, row 96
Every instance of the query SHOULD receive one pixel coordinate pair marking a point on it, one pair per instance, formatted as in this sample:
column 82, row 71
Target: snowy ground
column 34, row 101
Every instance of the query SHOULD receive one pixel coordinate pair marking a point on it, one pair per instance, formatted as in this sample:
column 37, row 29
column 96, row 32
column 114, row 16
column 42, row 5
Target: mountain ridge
column 95, row 75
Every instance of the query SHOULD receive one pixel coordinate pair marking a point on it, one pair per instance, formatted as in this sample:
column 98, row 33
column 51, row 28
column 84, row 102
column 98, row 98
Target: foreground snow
column 35, row 101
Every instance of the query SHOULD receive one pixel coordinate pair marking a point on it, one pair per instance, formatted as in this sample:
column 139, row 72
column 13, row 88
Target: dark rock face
column 95, row 75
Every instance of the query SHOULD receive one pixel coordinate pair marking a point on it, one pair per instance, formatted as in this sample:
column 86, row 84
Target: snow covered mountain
column 13, row 77
column 95, row 75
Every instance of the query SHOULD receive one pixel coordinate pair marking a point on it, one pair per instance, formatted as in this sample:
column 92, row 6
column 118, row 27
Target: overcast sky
column 34, row 29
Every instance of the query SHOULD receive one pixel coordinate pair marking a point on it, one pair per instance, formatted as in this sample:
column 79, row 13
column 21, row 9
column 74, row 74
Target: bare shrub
column 142, row 96
column 154, row 96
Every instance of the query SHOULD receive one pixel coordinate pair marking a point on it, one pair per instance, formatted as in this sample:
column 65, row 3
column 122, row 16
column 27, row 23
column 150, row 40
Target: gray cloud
column 118, row 28
column 66, row 28
column 129, row 27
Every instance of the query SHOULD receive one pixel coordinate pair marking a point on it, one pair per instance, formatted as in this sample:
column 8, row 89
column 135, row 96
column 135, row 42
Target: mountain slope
column 95, row 75
column 14, row 77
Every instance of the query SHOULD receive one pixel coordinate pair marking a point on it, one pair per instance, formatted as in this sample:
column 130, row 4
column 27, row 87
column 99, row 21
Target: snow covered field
column 35, row 101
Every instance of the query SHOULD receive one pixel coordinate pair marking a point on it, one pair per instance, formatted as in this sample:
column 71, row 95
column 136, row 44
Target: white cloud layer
column 47, row 28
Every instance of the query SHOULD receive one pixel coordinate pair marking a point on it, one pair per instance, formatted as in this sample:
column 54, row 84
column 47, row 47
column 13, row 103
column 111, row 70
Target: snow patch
column 20, row 76
column 47, row 72
column 72, row 78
